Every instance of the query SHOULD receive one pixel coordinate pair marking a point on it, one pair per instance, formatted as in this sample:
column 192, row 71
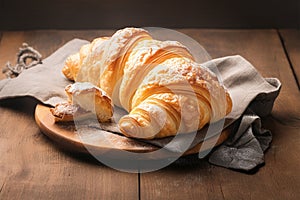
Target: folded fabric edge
column 70, row 45
column 243, row 150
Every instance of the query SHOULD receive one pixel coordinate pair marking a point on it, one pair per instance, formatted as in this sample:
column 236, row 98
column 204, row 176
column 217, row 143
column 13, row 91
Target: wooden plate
column 64, row 134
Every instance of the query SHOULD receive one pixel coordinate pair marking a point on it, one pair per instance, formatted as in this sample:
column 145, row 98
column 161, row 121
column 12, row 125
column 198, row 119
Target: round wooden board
column 64, row 134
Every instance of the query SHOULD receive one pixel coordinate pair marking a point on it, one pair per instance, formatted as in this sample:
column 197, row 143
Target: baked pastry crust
column 157, row 82
column 84, row 101
column 65, row 112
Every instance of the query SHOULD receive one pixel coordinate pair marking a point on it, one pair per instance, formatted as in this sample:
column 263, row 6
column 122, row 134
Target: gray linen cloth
column 252, row 95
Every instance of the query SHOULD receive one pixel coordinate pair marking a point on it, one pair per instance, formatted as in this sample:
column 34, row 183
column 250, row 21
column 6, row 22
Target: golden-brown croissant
column 157, row 82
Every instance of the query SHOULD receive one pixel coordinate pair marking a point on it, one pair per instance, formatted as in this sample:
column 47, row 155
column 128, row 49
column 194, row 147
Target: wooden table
column 33, row 167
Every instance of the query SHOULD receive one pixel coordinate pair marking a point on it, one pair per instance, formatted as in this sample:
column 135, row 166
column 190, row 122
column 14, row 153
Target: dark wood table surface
column 33, row 167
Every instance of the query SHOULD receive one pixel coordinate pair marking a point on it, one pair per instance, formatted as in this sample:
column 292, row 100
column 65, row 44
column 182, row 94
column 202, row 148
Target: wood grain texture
column 291, row 40
column 191, row 178
column 31, row 166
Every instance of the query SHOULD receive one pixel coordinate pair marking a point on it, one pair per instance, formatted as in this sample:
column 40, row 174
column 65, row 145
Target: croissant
column 158, row 82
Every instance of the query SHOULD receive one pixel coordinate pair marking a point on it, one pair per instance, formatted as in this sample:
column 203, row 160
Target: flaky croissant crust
column 157, row 82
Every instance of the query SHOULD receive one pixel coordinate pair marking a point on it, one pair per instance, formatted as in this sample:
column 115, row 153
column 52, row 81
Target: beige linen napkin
column 253, row 97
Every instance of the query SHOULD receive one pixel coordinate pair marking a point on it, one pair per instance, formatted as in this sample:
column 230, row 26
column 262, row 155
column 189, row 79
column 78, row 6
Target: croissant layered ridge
column 146, row 55
column 158, row 83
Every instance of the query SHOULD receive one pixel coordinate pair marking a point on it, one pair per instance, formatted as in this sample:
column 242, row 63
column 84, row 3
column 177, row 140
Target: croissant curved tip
column 130, row 128
column 127, row 128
